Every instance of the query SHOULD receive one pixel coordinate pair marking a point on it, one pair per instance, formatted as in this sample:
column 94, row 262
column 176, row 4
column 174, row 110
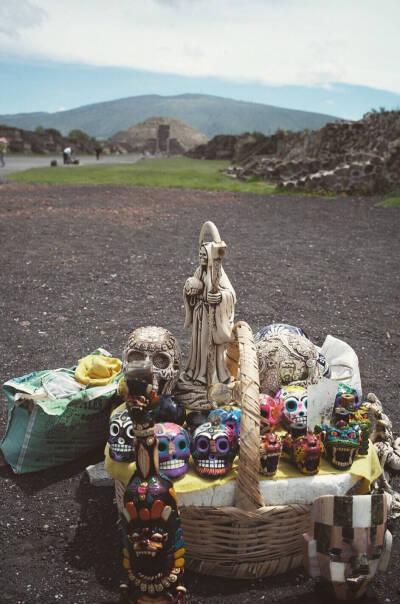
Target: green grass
column 393, row 201
column 175, row 172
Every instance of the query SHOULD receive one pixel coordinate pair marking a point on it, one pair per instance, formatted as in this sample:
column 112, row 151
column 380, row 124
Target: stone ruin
column 361, row 157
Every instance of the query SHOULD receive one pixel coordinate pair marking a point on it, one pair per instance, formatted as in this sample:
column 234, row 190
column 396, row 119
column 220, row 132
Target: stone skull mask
column 161, row 348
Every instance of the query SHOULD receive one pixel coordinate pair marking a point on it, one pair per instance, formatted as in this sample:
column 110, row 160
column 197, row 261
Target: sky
column 336, row 57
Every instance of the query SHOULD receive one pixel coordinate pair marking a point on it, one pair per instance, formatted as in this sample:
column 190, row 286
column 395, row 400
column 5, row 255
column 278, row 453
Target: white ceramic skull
column 120, row 437
column 162, row 349
column 294, row 400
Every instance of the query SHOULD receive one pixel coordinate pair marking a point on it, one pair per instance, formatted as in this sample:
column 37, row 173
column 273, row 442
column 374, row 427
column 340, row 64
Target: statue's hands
column 214, row 298
column 193, row 286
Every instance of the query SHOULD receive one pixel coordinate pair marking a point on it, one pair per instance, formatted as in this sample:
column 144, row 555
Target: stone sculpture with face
column 348, row 543
column 293, row 400
column 213, row 450
column 305, row 451
column 120, row 437
column 161, row 348
column 341, row 444
column 173, row 449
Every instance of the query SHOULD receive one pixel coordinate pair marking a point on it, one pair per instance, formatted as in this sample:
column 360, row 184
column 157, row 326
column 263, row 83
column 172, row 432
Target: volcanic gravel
column 83, row 266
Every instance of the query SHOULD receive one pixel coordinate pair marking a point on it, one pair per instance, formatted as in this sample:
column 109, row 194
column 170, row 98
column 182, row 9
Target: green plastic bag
column 52, row 419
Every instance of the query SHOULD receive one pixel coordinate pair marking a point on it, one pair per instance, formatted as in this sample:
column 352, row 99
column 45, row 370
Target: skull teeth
column 144, row 553
column 172, row 464
column 121, row 448
column 211, row 463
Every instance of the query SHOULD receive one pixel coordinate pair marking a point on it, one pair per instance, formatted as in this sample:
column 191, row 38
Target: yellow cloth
column 97, row 370
column 366, row 467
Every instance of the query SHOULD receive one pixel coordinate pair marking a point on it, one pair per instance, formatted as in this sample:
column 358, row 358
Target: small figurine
column 173, row 449
column 346, row 397
column 362, row 418
column 341, row 443
column 153, row 552
column 121, row 436
column 270, row 452
column 213, row 450
column 304, row 449
column 349, row 542
column 228, row 416
column 293, row 400
column 209, row 300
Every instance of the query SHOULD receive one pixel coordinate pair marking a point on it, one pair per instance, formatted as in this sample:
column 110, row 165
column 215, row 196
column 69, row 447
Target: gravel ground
column 82, row 266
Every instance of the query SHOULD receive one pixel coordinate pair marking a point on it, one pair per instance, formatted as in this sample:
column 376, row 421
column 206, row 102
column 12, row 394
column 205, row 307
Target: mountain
column 210, row 115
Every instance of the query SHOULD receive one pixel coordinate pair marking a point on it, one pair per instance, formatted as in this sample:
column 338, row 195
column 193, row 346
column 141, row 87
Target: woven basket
column 249, row 540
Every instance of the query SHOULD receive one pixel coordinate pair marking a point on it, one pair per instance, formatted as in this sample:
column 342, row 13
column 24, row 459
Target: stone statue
column 209, row 300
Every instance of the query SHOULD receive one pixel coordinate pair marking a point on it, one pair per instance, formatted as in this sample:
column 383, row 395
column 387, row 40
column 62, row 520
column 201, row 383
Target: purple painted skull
column 120, row 437
column 173, row 449
column 294, row 401
column 213, row 449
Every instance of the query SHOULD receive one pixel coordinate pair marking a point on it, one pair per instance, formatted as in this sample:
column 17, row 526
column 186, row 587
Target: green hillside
column 210, row 115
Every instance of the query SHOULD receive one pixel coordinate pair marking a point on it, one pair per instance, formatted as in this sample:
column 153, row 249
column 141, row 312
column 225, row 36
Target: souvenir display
column 349, row 542
column 120, row 437
column 270, row 452
column 209, row 300
column 341, row 444
column 286, row 356
column 269, row 409
column 173, row 449
column 158, row 346
column 213, row 450
column 228, row 416
column 152, row 536
column 304, row 450
column 293, row 401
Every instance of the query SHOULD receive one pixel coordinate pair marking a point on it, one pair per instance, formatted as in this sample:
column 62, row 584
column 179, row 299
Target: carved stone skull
column 162, row 349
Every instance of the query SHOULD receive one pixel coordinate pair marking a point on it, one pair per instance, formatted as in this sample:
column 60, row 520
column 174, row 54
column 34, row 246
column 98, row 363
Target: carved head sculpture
column 161, row 348
column 213, row 450
column 120, row 437
column 285, row 356
column 341, row 444
column 270, row 452
column 349, row 542
column 305, row 451
column 361, row 418
column 173, row 449
column 228, row 416
column 293, row 400
column 269, row 408
column 347, row 397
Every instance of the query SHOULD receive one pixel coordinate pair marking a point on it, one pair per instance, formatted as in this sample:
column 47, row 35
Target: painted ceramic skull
column 228, row 416
column 293, row 399
column 213, row 450
column 162, row 349
column 349, row 542
column 120, row 437
column 173, row 449
column 270, row 409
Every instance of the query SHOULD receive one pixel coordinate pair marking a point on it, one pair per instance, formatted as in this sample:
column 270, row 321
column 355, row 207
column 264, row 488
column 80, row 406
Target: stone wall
column 48, row 142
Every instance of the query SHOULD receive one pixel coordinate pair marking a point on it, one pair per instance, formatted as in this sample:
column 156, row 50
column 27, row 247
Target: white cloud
column 304, row 42
column 16, row 15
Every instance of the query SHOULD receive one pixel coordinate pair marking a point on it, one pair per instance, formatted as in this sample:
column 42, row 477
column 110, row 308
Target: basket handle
column 247, row 494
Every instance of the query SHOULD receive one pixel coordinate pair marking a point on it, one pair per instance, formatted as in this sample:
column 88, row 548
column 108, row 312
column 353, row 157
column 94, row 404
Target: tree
column 76, row 134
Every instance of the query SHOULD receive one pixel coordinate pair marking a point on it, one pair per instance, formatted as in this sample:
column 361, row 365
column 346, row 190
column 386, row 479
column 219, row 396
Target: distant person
column 67, row 153
column 3, row 151
column 99, row 152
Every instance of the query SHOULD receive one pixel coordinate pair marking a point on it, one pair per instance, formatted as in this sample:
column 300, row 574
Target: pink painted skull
column 173, row 449
column 293, row 399
column 270, row 409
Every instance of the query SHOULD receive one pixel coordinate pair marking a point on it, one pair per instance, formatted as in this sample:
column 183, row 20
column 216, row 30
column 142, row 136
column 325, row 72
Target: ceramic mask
column 228, row 416
column 286, row 356
column 120, row 437
column 341, row 444
column 304, row 451
column 269, row 408
column 270, row 452
column 349, row 543
column 293, row 399
column 173, row 449
column 213, row 450
column 159, row 346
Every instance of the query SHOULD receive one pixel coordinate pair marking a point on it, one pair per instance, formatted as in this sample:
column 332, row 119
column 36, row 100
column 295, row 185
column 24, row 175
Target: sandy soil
column 83, row 266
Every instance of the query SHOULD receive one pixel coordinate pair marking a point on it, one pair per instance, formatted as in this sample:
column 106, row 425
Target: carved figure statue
column 209, row 300
column 153, row 552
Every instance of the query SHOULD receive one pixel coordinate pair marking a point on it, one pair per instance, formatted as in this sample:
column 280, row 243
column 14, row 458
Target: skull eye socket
column 114, row 429
column 291, row 404
column 352, row 435
column 202, row 444
column 163, row 446
column 334, row 433
column 129, row 431
column 160, row 360
column 135, row 355
column 181, row 444
column 222, row 445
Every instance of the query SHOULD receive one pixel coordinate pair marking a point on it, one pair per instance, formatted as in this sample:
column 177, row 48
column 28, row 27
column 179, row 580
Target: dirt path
column 83, row 266
column 17, row 163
